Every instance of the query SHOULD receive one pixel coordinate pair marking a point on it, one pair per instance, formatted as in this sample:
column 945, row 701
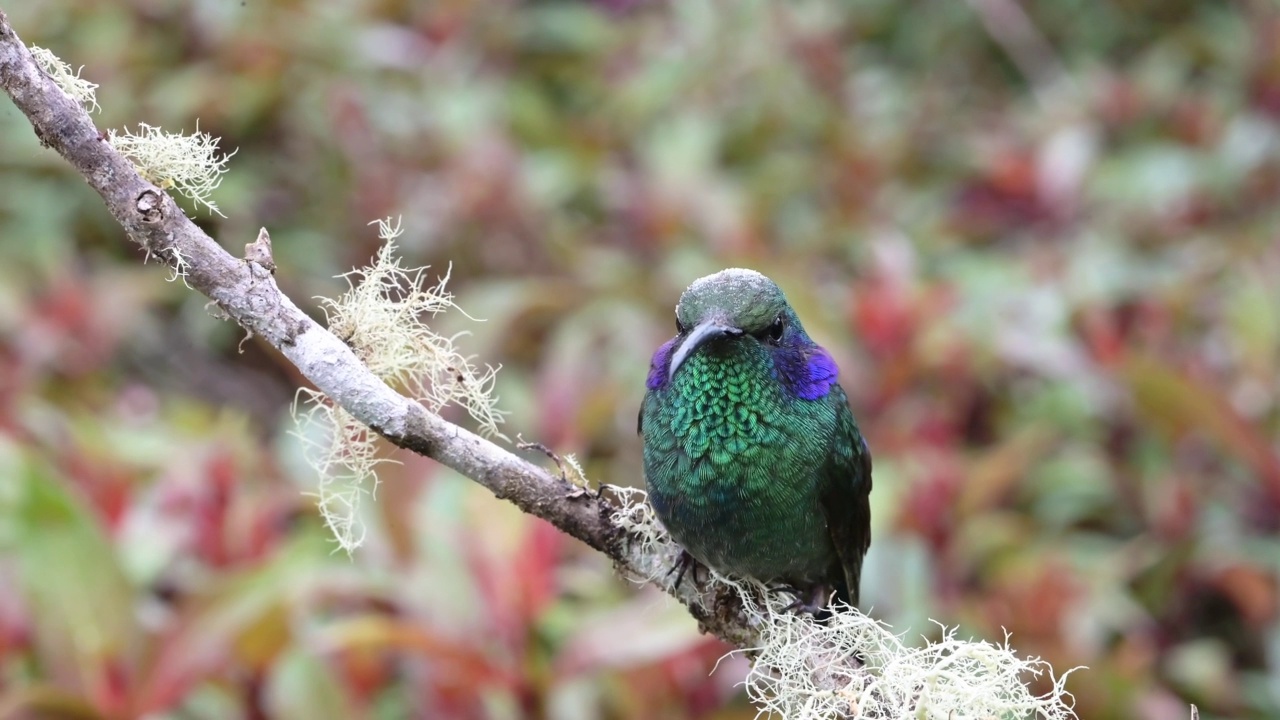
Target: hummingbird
column 753, row 460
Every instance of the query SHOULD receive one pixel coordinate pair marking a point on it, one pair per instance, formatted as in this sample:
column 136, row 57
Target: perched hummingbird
column 753, row 460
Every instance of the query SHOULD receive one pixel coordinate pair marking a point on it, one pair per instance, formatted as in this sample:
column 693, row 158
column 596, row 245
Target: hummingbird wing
column 846, row 498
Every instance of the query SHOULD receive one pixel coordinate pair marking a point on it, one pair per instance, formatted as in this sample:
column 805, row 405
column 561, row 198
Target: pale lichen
column 653, row 551
column 189, row 164
column 803, row 671
column 383, row 317
column 76, row 87
column 344, row 453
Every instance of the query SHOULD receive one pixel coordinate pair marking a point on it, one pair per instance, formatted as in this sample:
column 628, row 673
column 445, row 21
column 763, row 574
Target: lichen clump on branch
column 189, row 164
column 383, row 318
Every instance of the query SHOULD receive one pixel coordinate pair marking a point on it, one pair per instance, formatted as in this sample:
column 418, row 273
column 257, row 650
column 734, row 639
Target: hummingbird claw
column 807, row 601
column 682, row 565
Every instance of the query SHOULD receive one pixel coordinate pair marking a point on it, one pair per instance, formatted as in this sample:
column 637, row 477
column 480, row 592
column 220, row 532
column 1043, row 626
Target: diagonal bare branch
column 247, row 293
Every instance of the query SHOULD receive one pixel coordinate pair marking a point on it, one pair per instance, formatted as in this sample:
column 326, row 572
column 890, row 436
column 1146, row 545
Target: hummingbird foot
column 685, row 563
column 807, row 601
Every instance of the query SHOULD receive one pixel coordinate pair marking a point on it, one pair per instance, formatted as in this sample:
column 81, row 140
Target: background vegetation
column 1046, row 256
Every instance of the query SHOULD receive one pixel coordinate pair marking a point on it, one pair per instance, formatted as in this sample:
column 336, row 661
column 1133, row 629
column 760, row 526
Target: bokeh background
column 1041, row 239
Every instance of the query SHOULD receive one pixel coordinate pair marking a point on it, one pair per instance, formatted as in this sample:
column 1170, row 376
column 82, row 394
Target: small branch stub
column 258, row 252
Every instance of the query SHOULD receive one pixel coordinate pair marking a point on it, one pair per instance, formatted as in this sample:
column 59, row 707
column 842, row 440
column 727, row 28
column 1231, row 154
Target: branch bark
column 247, row 293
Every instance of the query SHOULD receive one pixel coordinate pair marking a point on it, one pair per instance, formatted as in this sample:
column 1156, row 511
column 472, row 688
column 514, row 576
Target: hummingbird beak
column 700, row 335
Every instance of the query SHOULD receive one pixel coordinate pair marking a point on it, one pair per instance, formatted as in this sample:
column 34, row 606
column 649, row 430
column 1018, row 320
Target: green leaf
column 77, row 593
column 301, row 686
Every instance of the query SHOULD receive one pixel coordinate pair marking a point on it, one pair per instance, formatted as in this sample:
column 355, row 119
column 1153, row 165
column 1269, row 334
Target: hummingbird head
column 743, row 306
column 734, row 304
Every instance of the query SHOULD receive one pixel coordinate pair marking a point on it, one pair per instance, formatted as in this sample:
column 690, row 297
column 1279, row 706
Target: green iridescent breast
column 733, row 465
column 725, row 407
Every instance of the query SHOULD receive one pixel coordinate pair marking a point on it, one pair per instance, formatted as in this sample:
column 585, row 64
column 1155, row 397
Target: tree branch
column 247, row 293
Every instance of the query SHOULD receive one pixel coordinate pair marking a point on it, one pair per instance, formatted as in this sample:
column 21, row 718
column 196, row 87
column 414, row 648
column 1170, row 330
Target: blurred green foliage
column 1046, row 255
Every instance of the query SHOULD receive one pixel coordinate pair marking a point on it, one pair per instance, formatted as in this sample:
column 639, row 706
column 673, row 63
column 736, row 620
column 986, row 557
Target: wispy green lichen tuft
column 80, row 90
column 383, row 317
column 189, row 164
column 798, row 673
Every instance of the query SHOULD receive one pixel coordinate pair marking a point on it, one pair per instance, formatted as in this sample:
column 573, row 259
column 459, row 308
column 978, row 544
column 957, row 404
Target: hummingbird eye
column 773, row 333
column 679, row 325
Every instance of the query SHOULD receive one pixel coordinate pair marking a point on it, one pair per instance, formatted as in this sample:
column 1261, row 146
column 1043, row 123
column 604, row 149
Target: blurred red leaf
column 1179, row 403
column 994, row 473
column 456, row 660
column 1253, row 590
column 1005, row 198
column 929, row 507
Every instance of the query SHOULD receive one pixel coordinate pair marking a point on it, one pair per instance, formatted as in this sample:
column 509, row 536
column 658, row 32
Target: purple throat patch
column 817, row 374
column 808, row 373
column 658, row 366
